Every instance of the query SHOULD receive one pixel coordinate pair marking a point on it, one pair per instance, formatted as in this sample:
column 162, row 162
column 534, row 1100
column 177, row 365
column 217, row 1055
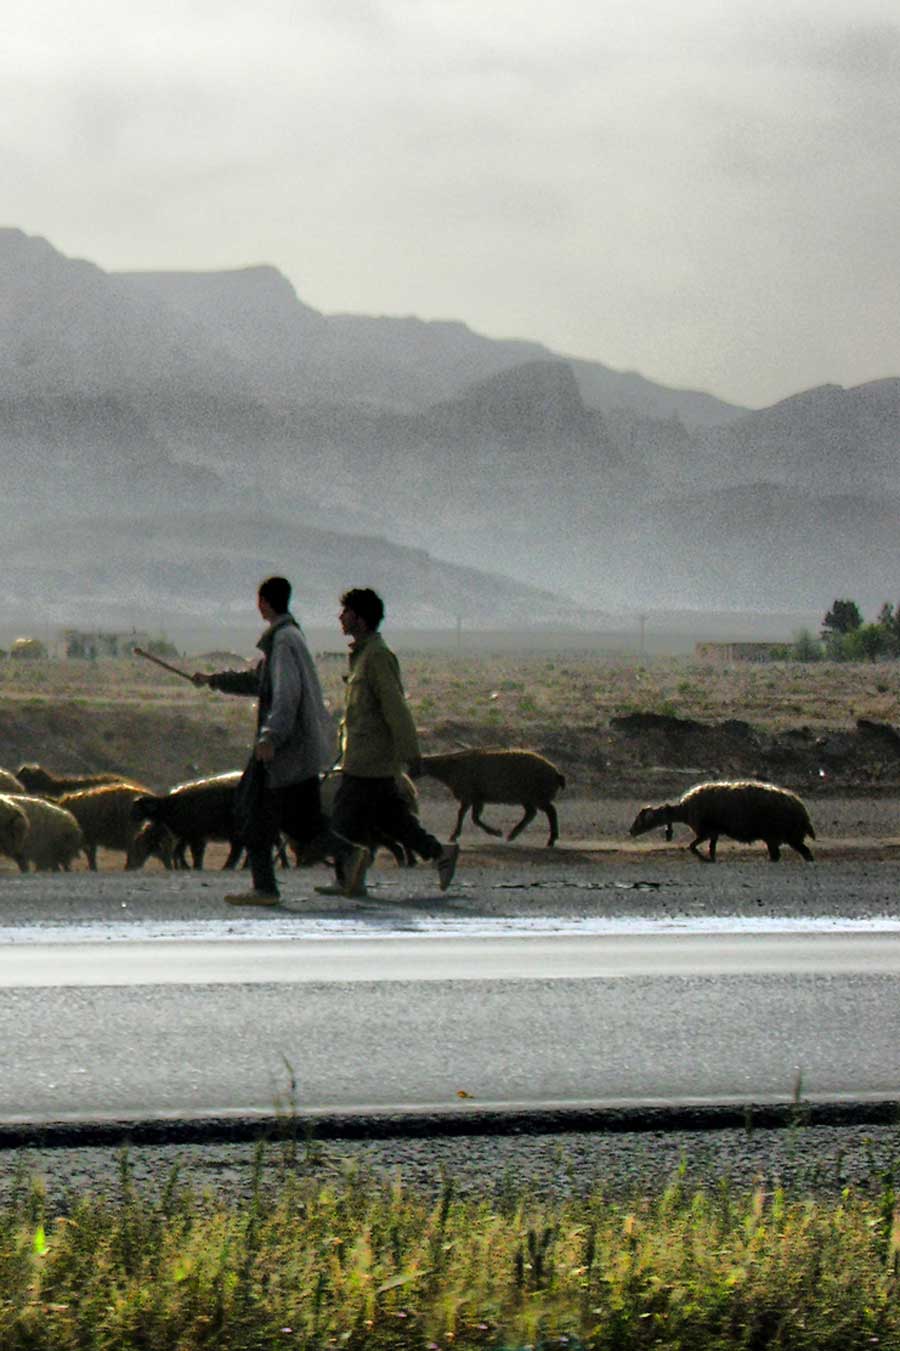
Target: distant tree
column 889, row 616
column 867, row 643
column 843, row 617
column 805, row 647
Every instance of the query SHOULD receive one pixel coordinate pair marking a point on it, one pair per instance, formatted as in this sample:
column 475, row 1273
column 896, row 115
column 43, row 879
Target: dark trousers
column 366, row 808
column 295, row 809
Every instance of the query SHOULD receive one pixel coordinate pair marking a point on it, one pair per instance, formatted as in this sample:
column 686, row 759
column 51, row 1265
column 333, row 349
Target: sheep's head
column 144, row 808
column 152, row 838
column 33, row 777
column 648, row 818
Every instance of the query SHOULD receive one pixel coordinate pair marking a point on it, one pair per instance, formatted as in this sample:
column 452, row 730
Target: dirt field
column 623, row 734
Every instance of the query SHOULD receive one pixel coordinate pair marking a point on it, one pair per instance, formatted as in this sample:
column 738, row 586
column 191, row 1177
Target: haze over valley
column 167, row 438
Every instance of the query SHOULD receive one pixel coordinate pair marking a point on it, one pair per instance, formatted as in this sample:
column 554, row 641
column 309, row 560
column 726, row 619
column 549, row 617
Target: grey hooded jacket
column 291, row 712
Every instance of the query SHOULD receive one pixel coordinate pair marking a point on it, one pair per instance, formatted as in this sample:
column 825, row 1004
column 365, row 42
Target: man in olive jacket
column 294, row 742
column 378, row 742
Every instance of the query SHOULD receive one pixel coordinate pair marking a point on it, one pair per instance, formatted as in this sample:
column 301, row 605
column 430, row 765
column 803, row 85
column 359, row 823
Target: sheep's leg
column 90, row 853
column 774, row 851
column 234, row 854
column 802, row 850
column 477, row 808
column 694, row 847
column 530, row 812
column 386, row 842
column 550, row 812
column 464, row 807
column 198, row 849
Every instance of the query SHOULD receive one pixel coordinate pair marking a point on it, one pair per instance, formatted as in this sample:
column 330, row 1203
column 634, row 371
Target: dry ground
column 622, row 733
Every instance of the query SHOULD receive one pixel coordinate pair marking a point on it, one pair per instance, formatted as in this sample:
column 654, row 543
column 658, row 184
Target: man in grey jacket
column 294, row 742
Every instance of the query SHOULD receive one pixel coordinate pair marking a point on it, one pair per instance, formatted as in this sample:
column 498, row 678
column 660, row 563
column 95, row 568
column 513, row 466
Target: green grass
column 362, row 1262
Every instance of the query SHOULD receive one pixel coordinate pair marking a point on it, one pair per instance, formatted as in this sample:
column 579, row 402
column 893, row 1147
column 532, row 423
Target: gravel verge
column 817, row 1161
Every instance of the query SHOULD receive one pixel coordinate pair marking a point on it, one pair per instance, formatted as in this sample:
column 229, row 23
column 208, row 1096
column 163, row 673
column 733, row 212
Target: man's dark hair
column 366, row 603
column 276, row 591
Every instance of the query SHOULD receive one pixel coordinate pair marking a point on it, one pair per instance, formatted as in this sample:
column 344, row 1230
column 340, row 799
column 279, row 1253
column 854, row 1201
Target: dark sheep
column 744, row 810
column 403, row 855
column 195, row 813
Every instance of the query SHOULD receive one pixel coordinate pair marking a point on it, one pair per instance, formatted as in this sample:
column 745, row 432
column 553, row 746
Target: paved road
column 150, row 997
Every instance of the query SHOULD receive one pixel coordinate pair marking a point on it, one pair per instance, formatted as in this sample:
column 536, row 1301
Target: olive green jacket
column 378, row 735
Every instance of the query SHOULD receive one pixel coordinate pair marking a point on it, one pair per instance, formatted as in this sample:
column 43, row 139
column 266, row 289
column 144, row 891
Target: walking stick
column 158, row 661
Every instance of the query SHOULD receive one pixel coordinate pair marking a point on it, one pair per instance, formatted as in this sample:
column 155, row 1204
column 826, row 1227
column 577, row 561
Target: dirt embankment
column 636, row 755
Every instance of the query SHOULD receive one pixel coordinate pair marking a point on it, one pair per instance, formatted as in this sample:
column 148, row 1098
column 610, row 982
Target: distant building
column 723, row 654
column 28, row 649
column 89, row 646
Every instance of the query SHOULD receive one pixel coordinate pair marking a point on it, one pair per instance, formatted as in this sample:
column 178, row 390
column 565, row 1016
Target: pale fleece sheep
column 743, row 809
column 107, row 820
column 14, row 829
column 42, row 782
column 9, row 783
column 54, row 836
column 519, row 777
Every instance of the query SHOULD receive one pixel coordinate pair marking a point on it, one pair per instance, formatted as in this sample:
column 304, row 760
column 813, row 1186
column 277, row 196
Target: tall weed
column 362, row 1262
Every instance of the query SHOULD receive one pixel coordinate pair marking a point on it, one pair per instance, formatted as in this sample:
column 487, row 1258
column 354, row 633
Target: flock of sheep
column 47, row 820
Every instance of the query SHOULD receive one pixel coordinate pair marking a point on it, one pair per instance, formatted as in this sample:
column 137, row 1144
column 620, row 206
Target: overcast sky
column 705, row 191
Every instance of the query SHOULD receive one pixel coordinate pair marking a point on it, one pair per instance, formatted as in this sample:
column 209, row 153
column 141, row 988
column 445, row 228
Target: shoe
column 446, row 864
column 354, row 869
column 252, row 898
column 337, row 889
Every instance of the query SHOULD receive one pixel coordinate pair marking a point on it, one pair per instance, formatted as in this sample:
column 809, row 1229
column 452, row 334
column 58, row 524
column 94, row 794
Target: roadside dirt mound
column 640, row 755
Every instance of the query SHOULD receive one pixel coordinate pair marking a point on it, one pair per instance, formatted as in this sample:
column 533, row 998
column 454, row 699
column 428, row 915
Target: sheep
column 329, row 786
column 106, row 819
column 42, row 782
column 475, row 777
column 743, row 809
column 14, row 828
column 203, row 810
column 54, row 836
column 195, row 812
column 9, row 783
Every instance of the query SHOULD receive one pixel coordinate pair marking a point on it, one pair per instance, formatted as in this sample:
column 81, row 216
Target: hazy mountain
column 768, row 546
column 155, row 396
column 252, row 313
column 68, row 326
column 163, row 570
column 828, row 440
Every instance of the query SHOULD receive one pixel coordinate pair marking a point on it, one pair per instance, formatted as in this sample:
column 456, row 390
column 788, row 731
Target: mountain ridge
column 224, row 389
